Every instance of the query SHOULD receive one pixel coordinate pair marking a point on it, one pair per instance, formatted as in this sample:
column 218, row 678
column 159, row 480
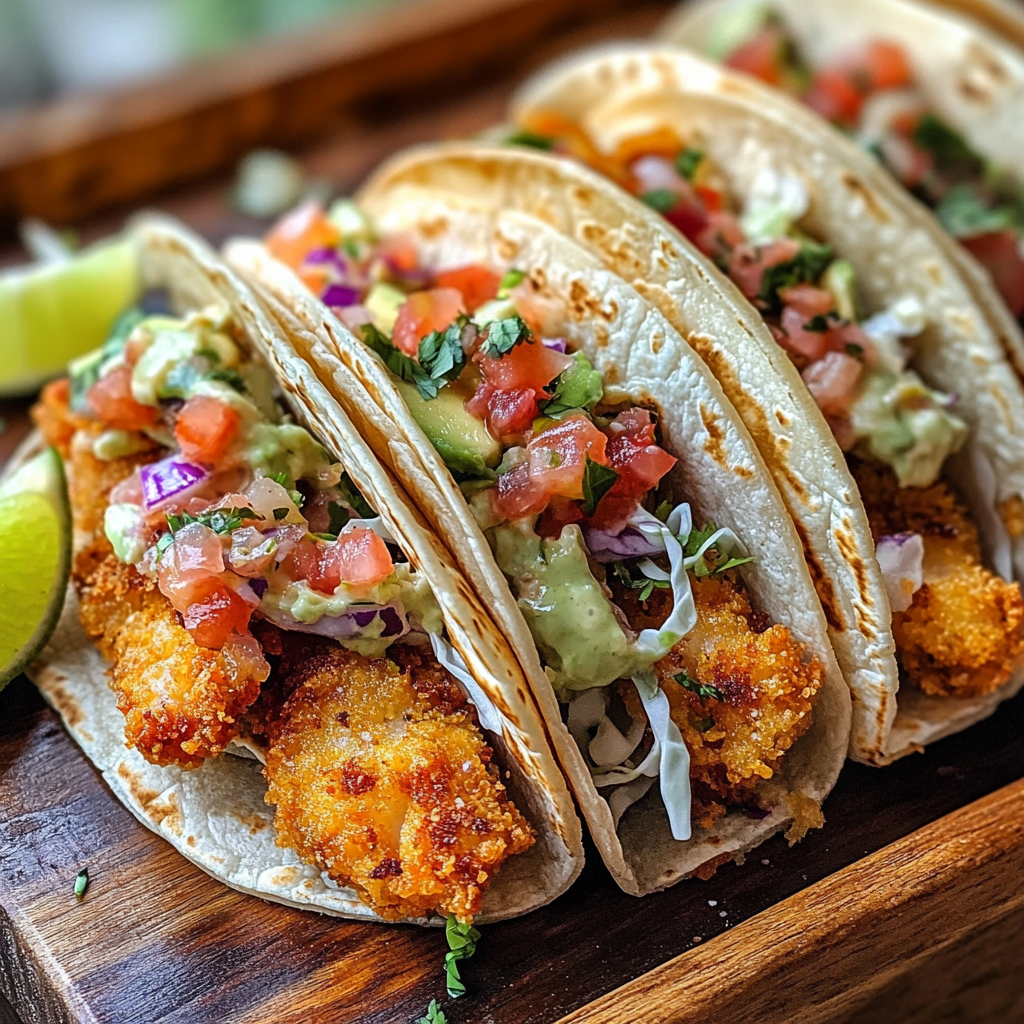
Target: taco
column 249, row 580
column 601, row 496
column 935, row 94
column 874, row 385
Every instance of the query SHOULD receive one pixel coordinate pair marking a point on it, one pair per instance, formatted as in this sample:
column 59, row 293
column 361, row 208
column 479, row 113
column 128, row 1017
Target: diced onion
column 172, row 477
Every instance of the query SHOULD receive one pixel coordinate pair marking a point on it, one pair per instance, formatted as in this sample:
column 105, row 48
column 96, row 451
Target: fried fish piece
column 382, row 778
column 748, row 694
column 963, row 634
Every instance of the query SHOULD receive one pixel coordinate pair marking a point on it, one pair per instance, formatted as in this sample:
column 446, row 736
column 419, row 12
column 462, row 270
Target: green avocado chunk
column 460, row 438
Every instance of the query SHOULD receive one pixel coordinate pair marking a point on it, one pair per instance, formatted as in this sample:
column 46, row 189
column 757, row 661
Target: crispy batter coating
column 764, row 676
column 382, row 778
column 181, row 702
column 963, row 635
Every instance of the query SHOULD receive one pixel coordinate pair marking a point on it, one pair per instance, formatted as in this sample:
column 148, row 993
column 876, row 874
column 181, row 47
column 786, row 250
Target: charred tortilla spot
column 434, row 228
column 133, row 781
column 716, row 435
column 611, row 375
column 784, row 420
column 743, row 472
column 860, row 190
column 982, row 76
column 602, row 337
column 822, row 584
column 583, row 195
column 934, row 271
column 67, row 707
column 847, row 544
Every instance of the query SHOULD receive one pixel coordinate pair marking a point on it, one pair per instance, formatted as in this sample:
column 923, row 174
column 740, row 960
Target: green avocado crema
column 569, row 615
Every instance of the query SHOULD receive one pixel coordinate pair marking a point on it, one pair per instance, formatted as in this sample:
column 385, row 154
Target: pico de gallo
column 870, row 91
column 565, row 487
column 891, row 424
column 243, row 512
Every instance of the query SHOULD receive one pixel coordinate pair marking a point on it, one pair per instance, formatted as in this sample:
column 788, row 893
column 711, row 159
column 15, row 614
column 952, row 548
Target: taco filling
column 241, row 587
column 957, row 624
column 871, row 93
column 663, row 664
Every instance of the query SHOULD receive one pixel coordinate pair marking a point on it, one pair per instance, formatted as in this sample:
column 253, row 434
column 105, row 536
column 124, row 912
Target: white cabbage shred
column 450, row 658
column 776, row 202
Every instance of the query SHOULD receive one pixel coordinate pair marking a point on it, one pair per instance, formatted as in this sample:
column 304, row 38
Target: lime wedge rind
column 41, row 477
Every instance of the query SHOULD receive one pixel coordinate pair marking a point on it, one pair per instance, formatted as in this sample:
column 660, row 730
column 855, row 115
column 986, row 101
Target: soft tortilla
column 968, row 63
column 894, row 247
column 215, row 815
column 719, row 472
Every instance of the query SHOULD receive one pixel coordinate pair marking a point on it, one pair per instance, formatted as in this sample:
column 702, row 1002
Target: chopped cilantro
column 660, row 199
column 355, row 501
column 434, row 1015
column 663, row 510
column 818, row 324
column 597, row 481
column 164, row 542
column 399, row 363
column 964, row 211
column 702, row 690
column 338, row 516
column 631, row 576
column 578, row 387
column 511, row 279
column 688, row 161
column 324, row 536
column 232, row 378
column 524, row 137
column 503, row 336
column 441, row 354
column 462, row 940
column 81, row 884
column 694, row 543
column 855, row 350
column 281, row 513
column 807, row 265
column 948, row 146
column 220, row 520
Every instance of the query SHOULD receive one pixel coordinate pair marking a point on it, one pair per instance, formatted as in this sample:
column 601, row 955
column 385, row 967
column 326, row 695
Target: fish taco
column 602, row 497
column 248, row 580
column 873, row 382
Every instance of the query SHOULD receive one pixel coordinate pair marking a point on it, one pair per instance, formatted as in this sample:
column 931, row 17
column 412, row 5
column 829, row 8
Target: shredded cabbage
column 776, row 203
column 453, row 662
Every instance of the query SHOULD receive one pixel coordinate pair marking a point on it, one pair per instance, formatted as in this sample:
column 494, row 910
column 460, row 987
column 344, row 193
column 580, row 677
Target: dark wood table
column 907, row 907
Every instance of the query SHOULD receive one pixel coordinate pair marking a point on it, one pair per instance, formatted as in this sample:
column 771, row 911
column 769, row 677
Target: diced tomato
column 833, row 382
column 558, row 454
column 834, row 94
column 560, row 512
column 999, row 253
column 299, row 232
column 710, row 197
column 424, row 312
column 519, row 495
column 204, row 428
column 477, row 284
column 507, row 412
column 399, row 253
column 762, row 56
column 688, row 217
column 885, row 65
column 530, row 364
column 303, row 563
column 111, row 399
column 216, row 613
column 797, row 340
column 747, row 264
column 632, row 452
column 808, row 300
column 722, row 234
column 358, row 557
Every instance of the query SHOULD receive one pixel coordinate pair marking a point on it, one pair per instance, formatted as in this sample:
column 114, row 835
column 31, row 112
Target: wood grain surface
column 157, row 942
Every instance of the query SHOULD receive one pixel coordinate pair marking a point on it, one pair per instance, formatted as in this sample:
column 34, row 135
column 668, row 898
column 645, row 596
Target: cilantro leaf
column 355, row 501
column 963, row 211
column 660, row 199
column 630, row 575
column 525, row 137
column 232, row 378
column 81, row 884
column 733, row 562
column 511, row 279
column 807, row 265
column 696, row 541
column 462, row 940
column 702, row 690
column 578, row 387
column 597, row 482
column 948, row 146
column 503, row 336
column 818, row 324
column 688, row 161
column 440, row 352
column 401, row 365
column 434, row 1015
column 220, row 520
column 338, row 516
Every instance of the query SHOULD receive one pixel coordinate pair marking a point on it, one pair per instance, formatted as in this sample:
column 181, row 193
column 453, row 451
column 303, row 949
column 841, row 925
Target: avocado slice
column 460, row 438
column 839, row 280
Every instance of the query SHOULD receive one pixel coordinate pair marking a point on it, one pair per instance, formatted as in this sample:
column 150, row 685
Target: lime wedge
column 52, row 312
column 35, row 559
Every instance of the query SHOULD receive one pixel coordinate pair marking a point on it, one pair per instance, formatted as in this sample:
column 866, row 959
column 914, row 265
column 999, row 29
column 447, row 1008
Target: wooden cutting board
column 155, row 941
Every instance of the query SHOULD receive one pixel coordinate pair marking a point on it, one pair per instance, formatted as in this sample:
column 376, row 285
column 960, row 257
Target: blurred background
column 51, row 48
